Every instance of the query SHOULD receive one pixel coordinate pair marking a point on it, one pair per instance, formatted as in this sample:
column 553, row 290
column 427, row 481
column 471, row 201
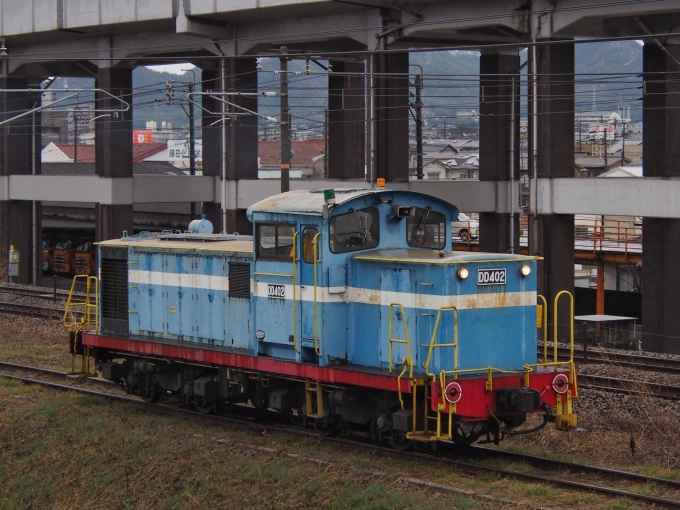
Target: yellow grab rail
column 436, row 346
column 571, row 324
column 545, row 328
column 295, row 322
column 90, row 305
column 315, row 248
column 406, row 341
column 86, row 323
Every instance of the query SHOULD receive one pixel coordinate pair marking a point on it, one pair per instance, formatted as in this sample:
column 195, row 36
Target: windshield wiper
column 361, row 224
column 422, row 223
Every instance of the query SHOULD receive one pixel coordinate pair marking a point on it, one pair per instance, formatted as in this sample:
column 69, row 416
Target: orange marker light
column 380, row 183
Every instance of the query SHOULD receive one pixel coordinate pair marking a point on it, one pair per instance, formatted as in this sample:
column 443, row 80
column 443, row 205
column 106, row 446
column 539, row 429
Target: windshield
column 355, row 230
column 426, row 229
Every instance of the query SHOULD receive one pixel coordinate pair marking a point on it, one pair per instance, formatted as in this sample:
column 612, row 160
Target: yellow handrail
column 545, row 328
column 315, row 246
column 571, row 324
column 85, row 323
column 434, row 338
column 295, row 322
column 407, row 341
column 77, row 327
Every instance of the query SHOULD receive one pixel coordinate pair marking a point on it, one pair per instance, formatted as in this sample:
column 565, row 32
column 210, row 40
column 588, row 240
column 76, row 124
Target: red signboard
column 141, row 136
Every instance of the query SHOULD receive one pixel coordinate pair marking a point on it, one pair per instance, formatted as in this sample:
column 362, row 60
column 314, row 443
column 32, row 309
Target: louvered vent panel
column 239, row 280
column 114, row 291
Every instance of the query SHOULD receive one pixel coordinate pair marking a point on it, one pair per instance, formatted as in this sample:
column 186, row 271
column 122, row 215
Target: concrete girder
column 18, row 18
column 355, row 30
column 444, row 21
column 573, row 18
column 83, row 57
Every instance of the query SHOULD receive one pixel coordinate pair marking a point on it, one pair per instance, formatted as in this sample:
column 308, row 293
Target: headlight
column 525, row 270
column 463, row 273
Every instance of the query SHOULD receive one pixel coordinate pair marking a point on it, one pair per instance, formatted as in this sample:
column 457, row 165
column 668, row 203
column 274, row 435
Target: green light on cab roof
column 328, row 194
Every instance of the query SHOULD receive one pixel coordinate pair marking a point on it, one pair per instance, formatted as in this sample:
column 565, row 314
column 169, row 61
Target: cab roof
column 312, row 202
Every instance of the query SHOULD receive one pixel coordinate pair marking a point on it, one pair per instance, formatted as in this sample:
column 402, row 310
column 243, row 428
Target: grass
column 78, row 451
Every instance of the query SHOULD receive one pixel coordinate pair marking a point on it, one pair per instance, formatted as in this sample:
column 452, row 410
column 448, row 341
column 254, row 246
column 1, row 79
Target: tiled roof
column 304, row 152
column 86, row 153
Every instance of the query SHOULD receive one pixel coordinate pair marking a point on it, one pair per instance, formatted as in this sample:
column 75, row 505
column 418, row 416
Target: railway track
column 638, row 361
column 39, row 312
column 556, row 468
column 40, row 293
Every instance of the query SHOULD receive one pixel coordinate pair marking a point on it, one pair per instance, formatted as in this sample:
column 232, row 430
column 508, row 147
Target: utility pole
column 419, row 126
column 285, row 123
column 192, row 142
column 623, row 141
column 325, row 143
column 75, row 134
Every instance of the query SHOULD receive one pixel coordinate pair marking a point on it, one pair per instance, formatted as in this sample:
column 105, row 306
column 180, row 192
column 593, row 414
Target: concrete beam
column 140, row 189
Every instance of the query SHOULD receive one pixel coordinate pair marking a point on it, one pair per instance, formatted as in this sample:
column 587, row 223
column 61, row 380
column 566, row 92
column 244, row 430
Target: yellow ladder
column 408, row 361
column 88, row 321
column 314, row 390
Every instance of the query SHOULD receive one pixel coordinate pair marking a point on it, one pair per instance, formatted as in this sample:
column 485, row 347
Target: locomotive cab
column 304, row 245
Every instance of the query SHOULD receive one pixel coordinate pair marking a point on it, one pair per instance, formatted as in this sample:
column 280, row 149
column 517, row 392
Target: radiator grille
column 114, row 291
column 239, row 280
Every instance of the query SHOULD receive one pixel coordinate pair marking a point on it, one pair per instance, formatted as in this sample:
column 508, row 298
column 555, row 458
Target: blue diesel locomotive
column 347, row 308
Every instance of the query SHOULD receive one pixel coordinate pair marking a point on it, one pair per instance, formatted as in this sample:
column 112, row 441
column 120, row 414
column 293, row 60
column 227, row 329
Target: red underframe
column 331, row 375
column 475, row 401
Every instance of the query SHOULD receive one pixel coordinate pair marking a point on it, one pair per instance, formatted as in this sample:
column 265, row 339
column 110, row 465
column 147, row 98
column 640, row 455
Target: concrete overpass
column 368, row 43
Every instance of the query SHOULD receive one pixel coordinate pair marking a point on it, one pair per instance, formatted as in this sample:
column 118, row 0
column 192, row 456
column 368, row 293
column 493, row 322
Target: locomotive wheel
column 152, row 397
column 205, row 408
column 399, row 442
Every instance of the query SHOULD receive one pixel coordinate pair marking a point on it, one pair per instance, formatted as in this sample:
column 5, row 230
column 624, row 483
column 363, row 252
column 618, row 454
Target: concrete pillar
column 346, row 120
column 499, row 71
column 15, row 159
column 661, row 239
column 555, row 125
column 391, row 115
column 113, row 150
column 242, row 140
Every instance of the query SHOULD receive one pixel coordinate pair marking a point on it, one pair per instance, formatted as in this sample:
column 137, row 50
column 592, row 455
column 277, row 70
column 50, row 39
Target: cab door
column 398, row 287
column 309, row 233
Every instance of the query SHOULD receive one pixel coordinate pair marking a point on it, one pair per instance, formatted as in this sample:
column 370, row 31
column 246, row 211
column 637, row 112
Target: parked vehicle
column 64, row 257
column 85, row 259
column 464, row 227
column 47, row 255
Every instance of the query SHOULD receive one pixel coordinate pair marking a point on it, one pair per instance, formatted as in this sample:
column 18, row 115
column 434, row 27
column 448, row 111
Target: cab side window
column 355, row 230
column 275, row 241
column 308, row 235
column 426, row 229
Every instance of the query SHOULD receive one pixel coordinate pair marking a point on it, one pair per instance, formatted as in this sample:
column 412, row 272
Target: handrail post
column 545, row 328
column 315, row 247
column 571, row 325
column 295, row 261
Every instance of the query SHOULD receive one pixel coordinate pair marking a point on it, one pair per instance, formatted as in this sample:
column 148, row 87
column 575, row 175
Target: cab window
column 355, row 230
column 308, row 235
column 275, row 241
column 426, row 229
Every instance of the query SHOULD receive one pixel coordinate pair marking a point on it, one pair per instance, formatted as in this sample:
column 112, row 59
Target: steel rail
column 31, row 311
column 38, row 293
column 641, row 362
column 629, row 387
column 469, row 467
